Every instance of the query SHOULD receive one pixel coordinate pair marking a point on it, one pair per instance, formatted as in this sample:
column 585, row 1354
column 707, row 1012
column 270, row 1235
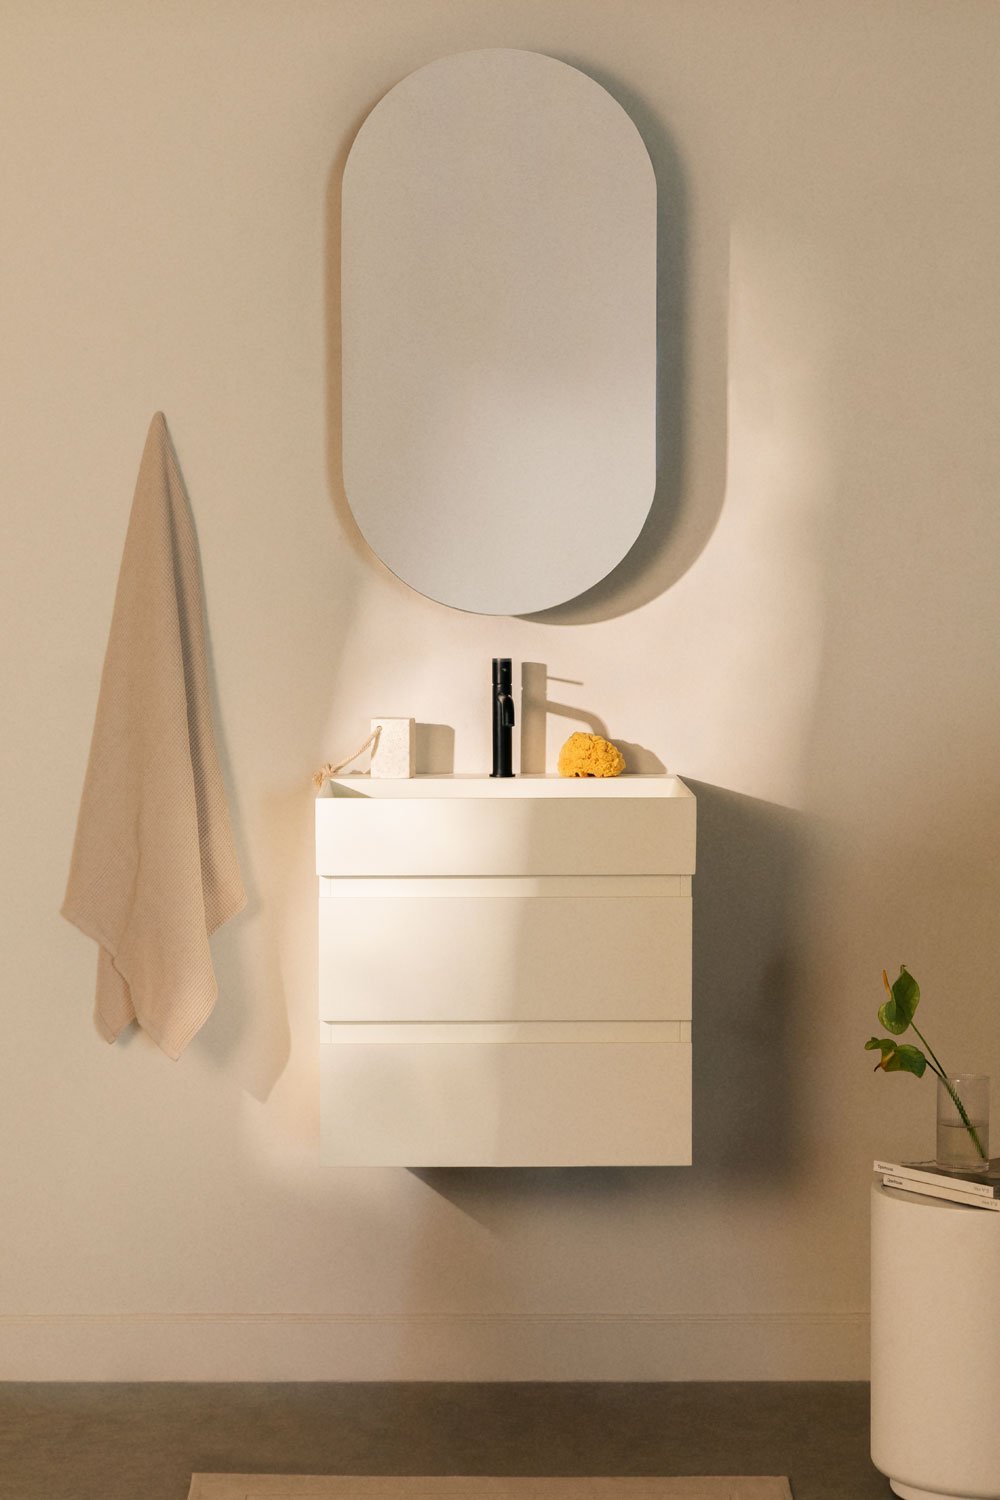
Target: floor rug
column 317, row 1487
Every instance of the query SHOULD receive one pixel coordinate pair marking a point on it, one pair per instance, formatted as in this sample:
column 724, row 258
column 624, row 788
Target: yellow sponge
column 590, row 755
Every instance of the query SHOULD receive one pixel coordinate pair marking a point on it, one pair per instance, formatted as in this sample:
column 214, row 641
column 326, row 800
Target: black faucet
column 503, row 717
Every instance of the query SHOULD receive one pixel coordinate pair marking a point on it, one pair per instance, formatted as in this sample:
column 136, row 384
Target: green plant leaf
column 896, row 1058
column 907, row 1060
column 904, row 997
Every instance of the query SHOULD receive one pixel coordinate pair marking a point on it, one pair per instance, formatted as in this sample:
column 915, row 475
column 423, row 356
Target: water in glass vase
column 956, row 1148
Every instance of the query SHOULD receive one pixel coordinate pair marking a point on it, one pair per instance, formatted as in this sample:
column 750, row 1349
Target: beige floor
column 144, row 1442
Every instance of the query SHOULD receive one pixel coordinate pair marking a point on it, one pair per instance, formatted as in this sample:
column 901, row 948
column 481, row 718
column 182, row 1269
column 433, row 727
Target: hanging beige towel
column 154, row 870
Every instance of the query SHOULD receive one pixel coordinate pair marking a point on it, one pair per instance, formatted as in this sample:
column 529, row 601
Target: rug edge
column 207, row 1486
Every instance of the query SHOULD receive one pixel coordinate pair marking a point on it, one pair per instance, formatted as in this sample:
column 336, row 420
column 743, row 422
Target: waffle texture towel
column 154, row 869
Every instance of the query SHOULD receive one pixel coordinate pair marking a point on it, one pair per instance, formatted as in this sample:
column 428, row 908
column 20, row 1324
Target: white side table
column 935, row 1354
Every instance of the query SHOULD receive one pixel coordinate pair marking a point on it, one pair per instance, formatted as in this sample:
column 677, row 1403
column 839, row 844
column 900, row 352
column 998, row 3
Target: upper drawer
column 464, row 956
column 629, row 825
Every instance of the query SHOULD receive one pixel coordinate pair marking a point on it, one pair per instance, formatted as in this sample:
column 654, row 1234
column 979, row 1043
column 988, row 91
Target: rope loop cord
column 328, row 771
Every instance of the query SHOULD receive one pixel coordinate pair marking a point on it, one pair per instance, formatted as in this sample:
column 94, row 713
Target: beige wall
column 808, row 634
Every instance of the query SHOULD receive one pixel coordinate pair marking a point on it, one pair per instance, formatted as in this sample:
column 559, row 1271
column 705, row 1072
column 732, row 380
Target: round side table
column 935, row 1359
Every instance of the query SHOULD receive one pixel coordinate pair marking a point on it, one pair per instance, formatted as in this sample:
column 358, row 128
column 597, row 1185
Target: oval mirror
column 499, row 331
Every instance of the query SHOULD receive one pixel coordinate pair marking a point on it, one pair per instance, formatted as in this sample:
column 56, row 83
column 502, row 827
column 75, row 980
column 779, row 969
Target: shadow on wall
column 680, row 520
column 536, row 706
column 435, row 749
column 249, row 1034
column 750, row 857
column 334, row 381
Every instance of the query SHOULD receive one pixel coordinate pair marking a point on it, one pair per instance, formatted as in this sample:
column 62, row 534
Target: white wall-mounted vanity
column 505, row 971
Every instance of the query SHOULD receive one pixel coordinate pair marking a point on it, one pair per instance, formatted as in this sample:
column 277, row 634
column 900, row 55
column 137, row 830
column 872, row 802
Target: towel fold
column 154, row 869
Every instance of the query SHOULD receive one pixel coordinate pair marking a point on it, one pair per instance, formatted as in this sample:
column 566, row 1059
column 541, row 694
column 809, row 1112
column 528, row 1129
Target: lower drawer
column 506, row 1104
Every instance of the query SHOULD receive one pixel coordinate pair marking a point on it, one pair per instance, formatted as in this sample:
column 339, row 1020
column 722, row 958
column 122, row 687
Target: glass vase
column 963, row 1122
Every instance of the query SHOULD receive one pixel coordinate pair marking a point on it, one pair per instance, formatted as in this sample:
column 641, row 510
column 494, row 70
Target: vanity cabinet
column 505, row 971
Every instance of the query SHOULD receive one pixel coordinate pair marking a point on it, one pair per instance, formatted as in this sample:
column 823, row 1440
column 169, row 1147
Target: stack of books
column 975, row 1189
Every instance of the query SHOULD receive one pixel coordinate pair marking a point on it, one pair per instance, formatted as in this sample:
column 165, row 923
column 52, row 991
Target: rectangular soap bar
column 394, row 753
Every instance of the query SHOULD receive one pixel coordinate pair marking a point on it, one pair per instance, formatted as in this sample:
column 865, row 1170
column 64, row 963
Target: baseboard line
column 512, row 1318
column 418, row 1346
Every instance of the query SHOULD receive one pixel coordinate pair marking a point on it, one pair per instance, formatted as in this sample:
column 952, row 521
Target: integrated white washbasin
column 516, row 826
column 363, row 785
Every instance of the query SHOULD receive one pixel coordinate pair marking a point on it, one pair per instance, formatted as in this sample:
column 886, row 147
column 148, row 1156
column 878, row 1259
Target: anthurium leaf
column 904, row 996
column 896, row 1058
column 906, row 1060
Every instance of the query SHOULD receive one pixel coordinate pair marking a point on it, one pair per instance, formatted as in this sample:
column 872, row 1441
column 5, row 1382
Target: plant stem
column 938, row 1066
